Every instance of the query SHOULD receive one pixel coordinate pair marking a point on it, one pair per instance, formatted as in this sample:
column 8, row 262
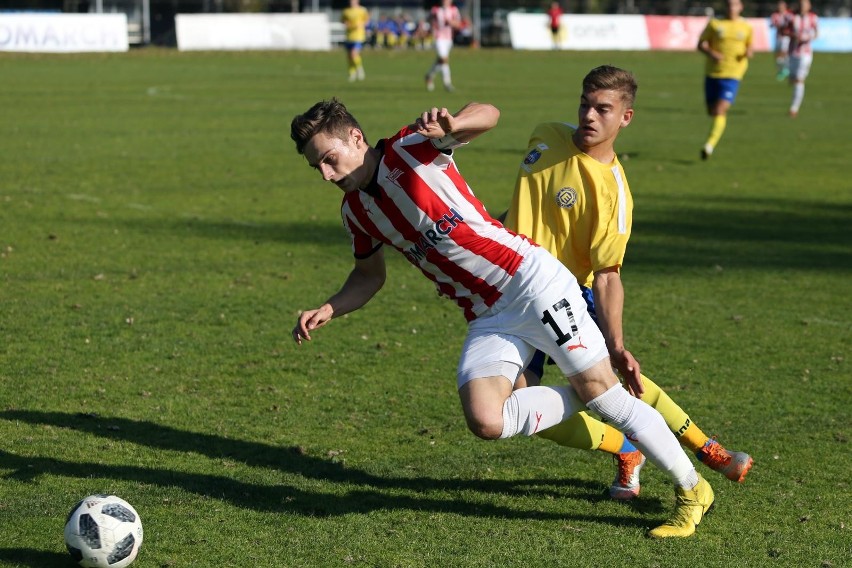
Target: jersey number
column 547, row 319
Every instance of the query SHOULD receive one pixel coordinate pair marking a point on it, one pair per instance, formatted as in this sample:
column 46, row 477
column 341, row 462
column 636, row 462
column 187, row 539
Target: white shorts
column 782, row 44
column 800, row 66
column 443, row 47
column 542, row 308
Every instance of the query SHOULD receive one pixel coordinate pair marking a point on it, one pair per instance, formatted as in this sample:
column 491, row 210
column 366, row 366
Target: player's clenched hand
column 310, row 320
column 434, row 123
column 629, row 369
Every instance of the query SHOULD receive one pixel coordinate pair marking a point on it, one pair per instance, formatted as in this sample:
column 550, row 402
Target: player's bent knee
column 486, row 430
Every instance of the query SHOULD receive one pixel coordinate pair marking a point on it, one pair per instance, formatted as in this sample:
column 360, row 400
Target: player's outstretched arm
column 365, row 280
column 469, row 122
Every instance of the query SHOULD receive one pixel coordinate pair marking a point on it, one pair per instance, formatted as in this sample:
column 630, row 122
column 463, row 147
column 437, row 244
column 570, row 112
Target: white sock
column 646, row 428
column 445, row 73
column 433, row 70
column 533, row 409
column 798, row 95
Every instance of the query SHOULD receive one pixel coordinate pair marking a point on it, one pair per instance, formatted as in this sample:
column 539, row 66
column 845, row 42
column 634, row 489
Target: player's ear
column 626, row 117
column 357, row 136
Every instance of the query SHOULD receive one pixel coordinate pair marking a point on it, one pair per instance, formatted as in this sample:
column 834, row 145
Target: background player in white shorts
column 778, row 20
column 444, row 21
column 407, row 193
column 802, row 29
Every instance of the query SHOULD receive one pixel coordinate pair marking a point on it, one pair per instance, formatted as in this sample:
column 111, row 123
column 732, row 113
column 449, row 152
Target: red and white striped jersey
column 779, row 20
column 442, row 21
column 420, row 204
column 802, row 29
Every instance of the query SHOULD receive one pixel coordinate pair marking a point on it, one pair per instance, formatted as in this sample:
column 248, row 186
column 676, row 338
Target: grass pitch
column 159, row 234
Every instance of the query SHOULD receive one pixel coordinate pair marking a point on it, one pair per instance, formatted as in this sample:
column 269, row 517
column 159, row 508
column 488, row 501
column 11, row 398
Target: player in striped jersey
column 406, row 192
column 572, row 198
column 802, row 28
column 444, row 20
column 778, row 21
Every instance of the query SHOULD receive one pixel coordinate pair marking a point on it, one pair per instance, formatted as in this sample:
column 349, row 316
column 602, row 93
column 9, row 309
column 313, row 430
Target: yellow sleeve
column 528, row 212
column 707, row 34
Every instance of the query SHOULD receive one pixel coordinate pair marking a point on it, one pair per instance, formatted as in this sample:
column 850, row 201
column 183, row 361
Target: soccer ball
column 103, row 531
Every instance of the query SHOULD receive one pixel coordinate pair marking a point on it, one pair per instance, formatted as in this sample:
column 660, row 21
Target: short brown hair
column 609, row 78
column 330, row 117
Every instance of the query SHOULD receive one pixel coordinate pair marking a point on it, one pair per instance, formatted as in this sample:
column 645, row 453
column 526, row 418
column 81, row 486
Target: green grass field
column 159, row 235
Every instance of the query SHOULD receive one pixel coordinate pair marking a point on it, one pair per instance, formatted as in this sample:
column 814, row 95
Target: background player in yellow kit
column 727, row 44
column 355, row 18
column 573, row 199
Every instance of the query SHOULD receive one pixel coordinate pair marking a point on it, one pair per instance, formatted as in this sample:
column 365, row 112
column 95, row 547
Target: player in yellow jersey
column 355, row 18
column 727, row 44
column 572, row 198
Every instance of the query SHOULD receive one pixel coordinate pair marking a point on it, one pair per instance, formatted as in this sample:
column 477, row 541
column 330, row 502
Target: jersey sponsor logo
column 532, row 157
column 394, row 175
column 431, row 237
column 566, row 197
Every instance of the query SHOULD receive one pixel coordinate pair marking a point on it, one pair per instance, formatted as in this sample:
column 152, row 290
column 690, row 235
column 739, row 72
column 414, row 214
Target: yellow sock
column 357, row 60
column 613, row 440
column 718, row 128
column 693, row 438
column 687, row 433
column 581, row 431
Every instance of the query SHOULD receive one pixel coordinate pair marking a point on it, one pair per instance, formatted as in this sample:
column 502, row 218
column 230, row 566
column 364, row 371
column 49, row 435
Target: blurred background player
column 802, row 30
column 726, row 43
column 444, row 20
column 355, row 18
column 555, row 14
column 778, row 20
column 572, row 198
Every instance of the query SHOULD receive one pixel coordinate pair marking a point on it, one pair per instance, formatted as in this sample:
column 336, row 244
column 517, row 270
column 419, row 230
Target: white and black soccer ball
column 103, row 531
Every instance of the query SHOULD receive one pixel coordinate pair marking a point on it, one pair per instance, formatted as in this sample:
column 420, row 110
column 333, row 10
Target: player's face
column 601, row 115
column 735, row 8
column 338, row 161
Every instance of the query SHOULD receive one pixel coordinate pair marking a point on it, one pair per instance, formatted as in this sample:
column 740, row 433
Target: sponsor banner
column 681, row 33
column 579, row 32
column 253, row 31
column 63, row 33
column 834, row 34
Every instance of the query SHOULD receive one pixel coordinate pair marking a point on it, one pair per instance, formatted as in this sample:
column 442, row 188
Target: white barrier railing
column 253, row 31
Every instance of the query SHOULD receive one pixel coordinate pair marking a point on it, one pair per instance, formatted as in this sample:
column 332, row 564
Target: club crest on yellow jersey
column 566, row 197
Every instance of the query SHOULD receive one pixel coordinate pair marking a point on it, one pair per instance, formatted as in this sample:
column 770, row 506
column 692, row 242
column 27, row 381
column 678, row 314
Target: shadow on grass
column 35, row 558
column 728, row 230
column 743, row 232
column 368, row 492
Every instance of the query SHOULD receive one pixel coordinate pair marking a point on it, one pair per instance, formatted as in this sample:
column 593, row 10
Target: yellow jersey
column 732, row 39
column 571, row 204
column 355, row 20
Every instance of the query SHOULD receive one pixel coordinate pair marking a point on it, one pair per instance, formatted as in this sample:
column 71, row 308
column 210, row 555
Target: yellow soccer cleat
column 690, row 507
